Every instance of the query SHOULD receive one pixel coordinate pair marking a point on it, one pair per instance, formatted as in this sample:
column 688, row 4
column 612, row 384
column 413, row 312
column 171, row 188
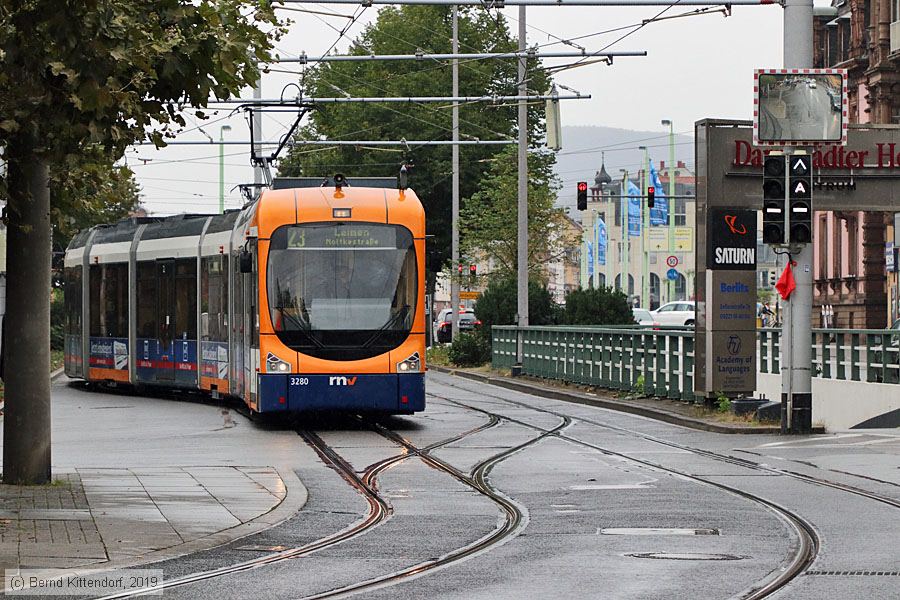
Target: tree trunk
column 26, row 425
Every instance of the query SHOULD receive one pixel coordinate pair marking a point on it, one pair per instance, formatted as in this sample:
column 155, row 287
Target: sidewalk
column 138, row 480
column 116, row 517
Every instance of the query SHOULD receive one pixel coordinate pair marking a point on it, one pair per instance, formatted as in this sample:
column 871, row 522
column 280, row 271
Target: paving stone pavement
column 101, row 515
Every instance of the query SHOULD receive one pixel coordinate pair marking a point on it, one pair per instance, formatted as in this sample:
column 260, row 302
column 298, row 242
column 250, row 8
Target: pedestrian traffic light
column 800, row 198
column 473, row 270
column 582, row 195
column 650, row 193
column 774, row 200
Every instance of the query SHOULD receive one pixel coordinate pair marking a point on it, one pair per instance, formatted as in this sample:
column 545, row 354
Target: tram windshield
column 342, row 291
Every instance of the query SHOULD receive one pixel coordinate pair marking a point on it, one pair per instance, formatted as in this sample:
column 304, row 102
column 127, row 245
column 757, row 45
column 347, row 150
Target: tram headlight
column 410, row 365
column 276, row 365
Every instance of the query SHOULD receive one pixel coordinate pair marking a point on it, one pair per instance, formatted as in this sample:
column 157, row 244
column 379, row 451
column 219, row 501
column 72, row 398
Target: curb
column 295, row 498
column 617, row 405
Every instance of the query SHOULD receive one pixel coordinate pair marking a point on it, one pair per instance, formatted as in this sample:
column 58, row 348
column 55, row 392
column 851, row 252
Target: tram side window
column 186, row 298
column 72, row 300
column 146, row 299
column 214, row 298
column 109, row 300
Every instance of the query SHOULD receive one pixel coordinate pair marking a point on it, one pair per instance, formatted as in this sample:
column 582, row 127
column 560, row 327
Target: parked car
column 467, row 322
column 679, row 313
column 642, row 316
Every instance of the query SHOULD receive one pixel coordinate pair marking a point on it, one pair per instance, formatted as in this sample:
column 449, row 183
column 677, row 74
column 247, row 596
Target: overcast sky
column 697, row 67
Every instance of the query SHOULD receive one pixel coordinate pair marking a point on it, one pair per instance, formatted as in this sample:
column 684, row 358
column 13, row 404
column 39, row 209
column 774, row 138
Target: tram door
column 165, row 318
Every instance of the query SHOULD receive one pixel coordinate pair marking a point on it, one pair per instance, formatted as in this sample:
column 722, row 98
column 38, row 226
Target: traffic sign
column 672, row 274
column 672, row 261
column 463, row 295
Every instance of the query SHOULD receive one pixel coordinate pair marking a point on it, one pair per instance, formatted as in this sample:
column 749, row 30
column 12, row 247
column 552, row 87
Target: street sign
column 469, row 295
column 671, row 274
column 672, row 261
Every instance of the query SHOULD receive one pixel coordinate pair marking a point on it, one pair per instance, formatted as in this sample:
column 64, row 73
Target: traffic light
column 773, row 278
column 650, row 192
column 460, row 269
column 473, row 271
column 774, row 200
column 582, row 195
column 800, row 198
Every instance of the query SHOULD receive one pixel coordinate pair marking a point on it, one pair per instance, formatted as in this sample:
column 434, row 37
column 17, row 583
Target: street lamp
column 645, row 271
column 222, row 131
column 626, row 238
column 670, row 291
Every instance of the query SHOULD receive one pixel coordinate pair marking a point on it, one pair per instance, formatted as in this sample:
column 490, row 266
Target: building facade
column 622, row 260
column 850, row 272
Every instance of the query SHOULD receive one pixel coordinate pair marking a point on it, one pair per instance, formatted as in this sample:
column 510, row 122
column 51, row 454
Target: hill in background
column 583, row 146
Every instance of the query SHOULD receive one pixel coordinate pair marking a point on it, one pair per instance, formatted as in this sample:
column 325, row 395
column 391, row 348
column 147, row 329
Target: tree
column 87, row 190
column 597, row 306
column 404, row 31
column 497, row 305
column 487, row 222
column 77, row 74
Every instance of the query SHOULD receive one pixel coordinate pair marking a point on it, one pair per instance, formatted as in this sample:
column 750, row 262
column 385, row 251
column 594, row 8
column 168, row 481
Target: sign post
column 726, row 308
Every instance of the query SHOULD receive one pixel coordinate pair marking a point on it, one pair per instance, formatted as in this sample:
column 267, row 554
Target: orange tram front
column 309, row 298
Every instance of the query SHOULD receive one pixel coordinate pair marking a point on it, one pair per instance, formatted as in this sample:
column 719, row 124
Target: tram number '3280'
column 299, row 380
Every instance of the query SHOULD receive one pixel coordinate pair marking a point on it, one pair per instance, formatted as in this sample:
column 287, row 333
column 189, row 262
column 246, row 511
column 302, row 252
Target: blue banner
column 659, row 214
column 634, row 210
column 590, row 259
column 600, row 234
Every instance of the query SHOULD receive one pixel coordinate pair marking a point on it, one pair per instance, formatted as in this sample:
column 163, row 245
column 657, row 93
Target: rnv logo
column 342, row 381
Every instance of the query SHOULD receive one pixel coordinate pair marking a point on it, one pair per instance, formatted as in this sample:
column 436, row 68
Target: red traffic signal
column 460, row 268
column 650, row 192
column 582, row 195
column 473, row 270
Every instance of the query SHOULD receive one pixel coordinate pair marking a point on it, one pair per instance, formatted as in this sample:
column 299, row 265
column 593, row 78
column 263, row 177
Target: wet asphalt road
column 605, row 509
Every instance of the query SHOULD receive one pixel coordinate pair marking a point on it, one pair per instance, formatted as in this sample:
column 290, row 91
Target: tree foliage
column 497, row 305
column 86, row 190
column 488, row 225
column 597, row 306
column 406, row 30
column 105, row 71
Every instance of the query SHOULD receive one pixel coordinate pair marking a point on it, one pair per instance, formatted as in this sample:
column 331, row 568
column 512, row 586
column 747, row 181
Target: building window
column 654, row 291
column 681, row 287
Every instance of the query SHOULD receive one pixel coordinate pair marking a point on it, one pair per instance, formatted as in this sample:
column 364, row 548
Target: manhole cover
column 684, row 556
column 656, row 531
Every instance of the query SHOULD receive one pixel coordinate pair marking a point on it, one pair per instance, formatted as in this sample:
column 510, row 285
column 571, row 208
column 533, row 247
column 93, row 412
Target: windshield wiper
column 303, row 326
column 401, row 314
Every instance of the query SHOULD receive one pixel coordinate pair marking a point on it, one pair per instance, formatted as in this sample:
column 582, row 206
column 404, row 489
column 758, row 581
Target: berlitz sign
column 884, row 156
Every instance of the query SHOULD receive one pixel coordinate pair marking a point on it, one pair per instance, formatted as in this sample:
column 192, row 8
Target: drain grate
column 857, row 573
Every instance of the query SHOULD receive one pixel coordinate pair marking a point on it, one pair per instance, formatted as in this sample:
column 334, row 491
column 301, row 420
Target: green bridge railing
column 663, row 358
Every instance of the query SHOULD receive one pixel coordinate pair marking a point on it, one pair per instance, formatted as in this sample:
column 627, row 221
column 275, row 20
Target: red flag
column 786, row 283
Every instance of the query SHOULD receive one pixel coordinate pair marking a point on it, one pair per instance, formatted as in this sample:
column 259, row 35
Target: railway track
column 514, row 516
column 807, row 539
column 365, row 484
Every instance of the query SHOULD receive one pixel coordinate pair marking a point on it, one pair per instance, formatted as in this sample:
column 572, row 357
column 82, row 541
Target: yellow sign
column 469, row 295
column 684, row 239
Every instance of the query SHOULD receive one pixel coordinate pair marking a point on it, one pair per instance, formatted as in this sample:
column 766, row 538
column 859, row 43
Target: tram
column 309, row 298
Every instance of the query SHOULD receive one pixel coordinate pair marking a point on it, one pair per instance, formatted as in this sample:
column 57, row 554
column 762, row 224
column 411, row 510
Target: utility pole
column 796, row 370
column 222, row 131
column 454, row 243
column 522, row 256
column 670, row 285
column 645, row 223
column 257, row 135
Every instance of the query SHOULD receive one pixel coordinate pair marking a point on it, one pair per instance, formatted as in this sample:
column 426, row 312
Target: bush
column 57, row 321
column 597, row 306
column 498, row 305
column 469, row 350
